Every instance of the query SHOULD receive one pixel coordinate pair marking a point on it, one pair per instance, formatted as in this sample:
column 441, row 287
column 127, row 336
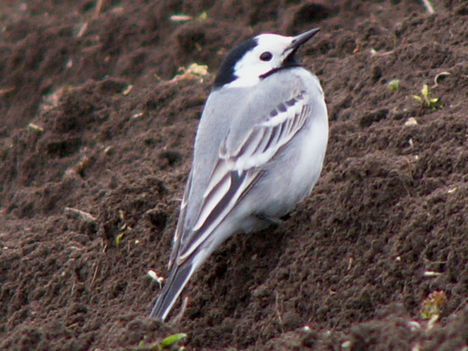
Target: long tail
column 176, row 282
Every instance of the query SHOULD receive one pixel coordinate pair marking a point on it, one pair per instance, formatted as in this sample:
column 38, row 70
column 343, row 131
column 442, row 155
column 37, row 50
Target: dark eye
column 266, row 56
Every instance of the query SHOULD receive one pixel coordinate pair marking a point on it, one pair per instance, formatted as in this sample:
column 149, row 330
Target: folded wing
column 237, row 169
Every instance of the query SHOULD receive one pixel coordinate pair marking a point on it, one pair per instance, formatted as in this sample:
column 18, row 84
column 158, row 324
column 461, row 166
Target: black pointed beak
column 296, row 43
column 302, row 38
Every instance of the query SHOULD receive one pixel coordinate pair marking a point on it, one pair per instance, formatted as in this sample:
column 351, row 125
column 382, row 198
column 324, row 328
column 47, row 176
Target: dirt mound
column 95, row 148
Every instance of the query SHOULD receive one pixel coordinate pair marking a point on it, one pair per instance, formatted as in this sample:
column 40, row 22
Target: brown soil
column 92, row 122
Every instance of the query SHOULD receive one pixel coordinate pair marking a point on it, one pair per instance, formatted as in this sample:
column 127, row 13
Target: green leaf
column 118, row 239
column 172, row 339
column 202, row 17
column 425, row 91
column 432, row 305
column 394, row 85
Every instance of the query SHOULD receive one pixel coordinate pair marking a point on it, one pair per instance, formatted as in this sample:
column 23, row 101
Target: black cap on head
column 226, row 72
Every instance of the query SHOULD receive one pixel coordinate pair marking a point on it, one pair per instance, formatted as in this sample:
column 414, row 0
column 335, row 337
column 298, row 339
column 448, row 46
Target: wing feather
column 180, row 223
column 212, row 199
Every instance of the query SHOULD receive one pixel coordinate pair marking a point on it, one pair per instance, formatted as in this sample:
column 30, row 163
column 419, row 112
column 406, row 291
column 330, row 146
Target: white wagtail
column 259, row 150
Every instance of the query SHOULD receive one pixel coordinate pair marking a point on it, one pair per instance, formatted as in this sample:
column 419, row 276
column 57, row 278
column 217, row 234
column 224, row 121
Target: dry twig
column 429, row 7
column 79, row 214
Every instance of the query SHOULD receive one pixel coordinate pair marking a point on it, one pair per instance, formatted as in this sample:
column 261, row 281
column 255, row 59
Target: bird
column 259, row 150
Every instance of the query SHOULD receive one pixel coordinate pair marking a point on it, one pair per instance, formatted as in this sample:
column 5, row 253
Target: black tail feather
column 174, row 285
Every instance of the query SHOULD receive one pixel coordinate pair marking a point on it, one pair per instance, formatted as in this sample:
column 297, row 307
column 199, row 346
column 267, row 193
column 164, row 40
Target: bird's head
column 259, row 57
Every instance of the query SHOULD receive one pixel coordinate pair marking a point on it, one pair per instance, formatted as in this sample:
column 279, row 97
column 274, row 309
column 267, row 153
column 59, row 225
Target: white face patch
column 249, row 69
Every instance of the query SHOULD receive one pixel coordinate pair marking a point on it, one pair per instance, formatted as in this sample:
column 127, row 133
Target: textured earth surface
column 95, row 147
